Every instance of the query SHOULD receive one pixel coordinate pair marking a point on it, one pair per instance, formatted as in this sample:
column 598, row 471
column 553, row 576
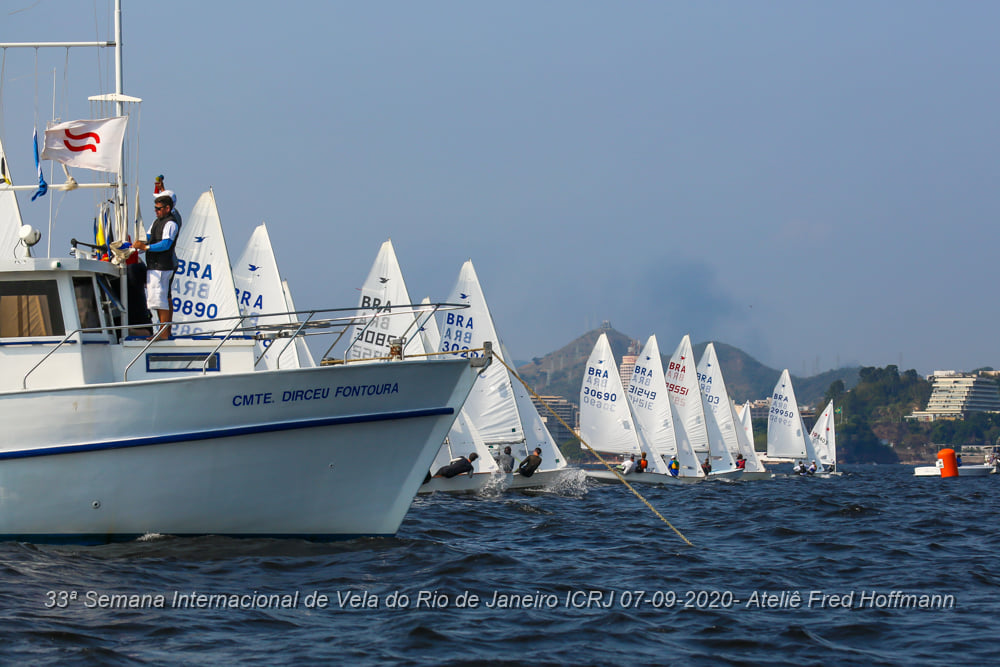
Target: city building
column 566, row 410
column 628, row 364
column 956, row 394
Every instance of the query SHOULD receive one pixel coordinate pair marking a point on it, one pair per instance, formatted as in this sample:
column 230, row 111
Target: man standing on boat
column 161, row 261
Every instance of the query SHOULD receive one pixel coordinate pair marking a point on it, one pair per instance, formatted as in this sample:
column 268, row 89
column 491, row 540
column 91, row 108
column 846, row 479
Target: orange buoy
column 948, row 463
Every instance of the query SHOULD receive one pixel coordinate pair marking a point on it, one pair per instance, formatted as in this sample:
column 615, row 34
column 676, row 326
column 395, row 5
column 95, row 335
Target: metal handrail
column 302, row 327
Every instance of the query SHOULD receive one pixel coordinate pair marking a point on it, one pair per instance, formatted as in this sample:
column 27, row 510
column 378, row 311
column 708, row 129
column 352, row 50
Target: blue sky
column 814, row 183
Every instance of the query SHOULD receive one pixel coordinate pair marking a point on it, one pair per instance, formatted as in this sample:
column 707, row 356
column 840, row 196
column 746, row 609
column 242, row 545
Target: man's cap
column 166, row 193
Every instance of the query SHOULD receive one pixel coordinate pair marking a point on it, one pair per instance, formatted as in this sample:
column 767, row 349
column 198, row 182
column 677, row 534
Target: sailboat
column 372, row 338
column 786, row 435
column 500, row 405
column 609, row 416
column 694, row 422
column 824, row 440
column 203, row 287
column 716, row 398
column 110, row 438
column 263, row 300
column 744, row 431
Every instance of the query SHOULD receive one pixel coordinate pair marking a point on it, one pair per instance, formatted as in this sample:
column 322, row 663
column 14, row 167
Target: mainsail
column 716, row 399
column 384, row 289
column 824, row 438
column 786, row 435
column 203, row 284
column 606, row 421
column 262, row 298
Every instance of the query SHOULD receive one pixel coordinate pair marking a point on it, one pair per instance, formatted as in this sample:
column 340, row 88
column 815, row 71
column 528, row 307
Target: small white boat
column 499, row 404
column 696, row 421
column 655, row 478
column 755, row 466
column 716, row 399
column 786, row 434
column 824, row 439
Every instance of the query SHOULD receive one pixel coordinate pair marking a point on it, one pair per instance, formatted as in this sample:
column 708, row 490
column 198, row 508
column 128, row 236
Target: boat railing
column 335, row 322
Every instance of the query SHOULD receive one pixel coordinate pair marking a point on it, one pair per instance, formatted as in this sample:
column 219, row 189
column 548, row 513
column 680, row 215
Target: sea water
column 876, row 567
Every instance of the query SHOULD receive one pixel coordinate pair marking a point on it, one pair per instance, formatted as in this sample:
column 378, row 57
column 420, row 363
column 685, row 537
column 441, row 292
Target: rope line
column 592, row 451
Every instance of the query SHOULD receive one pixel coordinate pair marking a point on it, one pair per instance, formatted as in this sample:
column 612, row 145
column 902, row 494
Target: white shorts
column 158, row 289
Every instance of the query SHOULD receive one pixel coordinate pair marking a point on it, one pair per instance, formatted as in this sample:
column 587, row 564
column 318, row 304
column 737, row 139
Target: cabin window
column 86, row 303
column 171, row 362
column 30, row 308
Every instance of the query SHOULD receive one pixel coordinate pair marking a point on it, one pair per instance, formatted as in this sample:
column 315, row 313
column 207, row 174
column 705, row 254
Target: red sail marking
column 78, row 137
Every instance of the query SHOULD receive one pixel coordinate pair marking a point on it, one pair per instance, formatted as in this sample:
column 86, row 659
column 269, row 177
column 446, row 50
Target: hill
column 560, row 373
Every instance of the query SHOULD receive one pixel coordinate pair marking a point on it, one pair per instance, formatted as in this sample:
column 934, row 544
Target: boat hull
column 963, row 471
column 747, row 476
column 491, row 483
column 642, row 478
column 480, row 482
column 330, row 452
column 729, row 475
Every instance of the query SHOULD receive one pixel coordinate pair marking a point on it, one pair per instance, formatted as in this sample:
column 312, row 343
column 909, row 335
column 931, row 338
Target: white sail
column 536, row 433
column 463, row 439
column 606, row 421
column 492, row 397
column 10, row 215
column 744, row 433
column 786, row 435
column 302, row 352
column 203, row 285
column 682, row 387
column 263, row 298
column 718, row 414
column 427, row 326
column 824, row 438
column 654, row 414
column 384, row 288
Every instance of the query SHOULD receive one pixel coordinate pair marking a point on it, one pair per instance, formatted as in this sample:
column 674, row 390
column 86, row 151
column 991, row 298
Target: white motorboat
column 109, row 437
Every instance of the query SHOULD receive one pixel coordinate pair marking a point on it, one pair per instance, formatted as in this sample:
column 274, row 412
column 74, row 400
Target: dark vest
column 166, row 260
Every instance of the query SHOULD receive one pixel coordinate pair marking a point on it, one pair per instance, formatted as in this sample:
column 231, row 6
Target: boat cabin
column 60, row 326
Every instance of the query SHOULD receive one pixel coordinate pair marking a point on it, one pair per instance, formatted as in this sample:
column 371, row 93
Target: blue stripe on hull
column 96, row 539
column 226, row 432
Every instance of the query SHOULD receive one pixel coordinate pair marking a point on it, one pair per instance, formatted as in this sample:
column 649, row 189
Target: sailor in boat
column 530, row 463
column 642, row 464
column 812, row 468
column 674, row 466
column 161, row 260
column 798, row 468
column 457, row 467
column 505, row 460
column 707, row 466
column 741, row 463
column 628, row 466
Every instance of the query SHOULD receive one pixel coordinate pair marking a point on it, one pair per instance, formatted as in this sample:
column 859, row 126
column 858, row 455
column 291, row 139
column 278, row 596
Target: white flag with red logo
column 90, row 144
